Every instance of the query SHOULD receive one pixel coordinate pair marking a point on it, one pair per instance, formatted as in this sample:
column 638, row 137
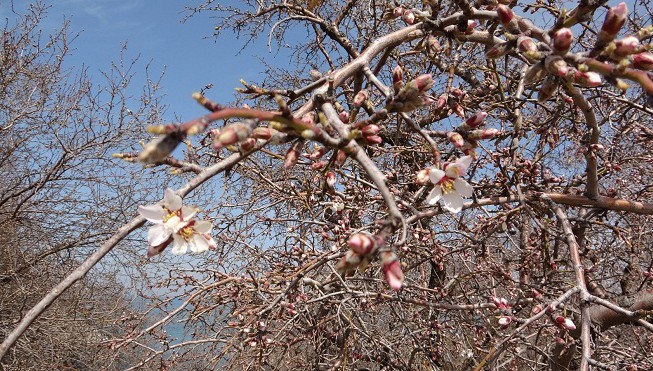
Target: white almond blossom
column 175, row 223
column 449, row 186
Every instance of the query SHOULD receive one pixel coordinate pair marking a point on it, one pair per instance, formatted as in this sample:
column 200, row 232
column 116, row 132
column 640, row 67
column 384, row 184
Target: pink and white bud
column 643, row 61
column 341, row 157
column 422, row 176
column 614, row 20
column 475, row 120
column 505, row 14
column 498, row 302
column 483, row 134
column 588, row 79
column 292, row 156
column 526, row 44
column 471, row 25
column 344, row 116
column 458, row 109
column 247, row 145
column 408, row 16
column 432, row 46
column 397, row 76
column 331, row 179
column 536, row 309
column 373, row 139
column 442, row 101
column 397, row 12
column 566, row 323
column 504, row 321
column 309, row 118
column 626, row 46
column 456, row 139
column 424, row 82
column 370, row 130
column 562, row 39
column 361, row 97
column 392, row 272
column 318, row 165
column 361, row 243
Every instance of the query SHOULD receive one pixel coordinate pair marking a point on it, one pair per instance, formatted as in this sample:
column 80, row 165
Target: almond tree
column 436, row 185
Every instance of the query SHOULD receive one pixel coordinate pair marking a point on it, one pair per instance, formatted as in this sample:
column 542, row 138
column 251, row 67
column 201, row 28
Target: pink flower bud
column 432, row 46
column 408, row 16
column 263, row 133
column 614, row 20
column 458, row 109
column 370, row 130
column 505, row 14
column 488, row 133
column 536, row 309
column 247, row 145
column 344, row 116
column 643, row 61
column 504, row 321
column 361, row 97
column 588, row 79
column 526, row 44
column 442, row 102
column 331, row 179
column 292, row 156
column 498, row 302
column 422, row 176
column 309, row 118
column 470, row 27
column 341, row 157
column 476, row 120
column 361, row 243
column 397, row 12
column 397, row 75
column 424, row 82
column 562, row 39
column 318, row 165
column 456, row 139
column 392, row 270
column 627, row 45
column 373, row 139
column 565, row 323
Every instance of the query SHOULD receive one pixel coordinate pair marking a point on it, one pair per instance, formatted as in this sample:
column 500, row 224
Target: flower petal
column 464, row 161
column 461, row 186
column 452, row 202
column 188, row 212
column 179, row 246
column 158, row 234
column 436, row 175
column 199, row 244
column 210, row 241
column 175, row 224
column 171, row 200
column 153, row 213
column 203, row 226
column 434, row 196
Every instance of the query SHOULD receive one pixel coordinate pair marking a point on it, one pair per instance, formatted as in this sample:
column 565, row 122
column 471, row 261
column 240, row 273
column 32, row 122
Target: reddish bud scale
column 373, row 139
column 361, row 243
column 392, row 272
column 471, row 25
column 476, row 120
column 442, row 102
column 318, row 165
column 643, row 61
column 408, row 16
column 341, row 157
column 318, row 153
column 248, row 144
column 397, row 74
column 360, row 98
column 424, row 82
column 588, row 79
column 370, row 130
column 614, row 20
column 292, row 156
column 526, row 44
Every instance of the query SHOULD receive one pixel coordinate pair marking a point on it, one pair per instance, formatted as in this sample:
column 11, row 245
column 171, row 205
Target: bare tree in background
column 429, row 185
column 61, row 193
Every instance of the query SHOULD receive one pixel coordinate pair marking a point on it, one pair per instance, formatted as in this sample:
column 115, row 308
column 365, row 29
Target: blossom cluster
column 176, row 224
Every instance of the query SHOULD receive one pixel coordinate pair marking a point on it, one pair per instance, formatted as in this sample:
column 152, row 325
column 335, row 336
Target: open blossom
column 449, row 186
column 175, row 223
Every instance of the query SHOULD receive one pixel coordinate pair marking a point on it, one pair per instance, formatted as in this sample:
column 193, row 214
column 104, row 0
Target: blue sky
column 154, row 32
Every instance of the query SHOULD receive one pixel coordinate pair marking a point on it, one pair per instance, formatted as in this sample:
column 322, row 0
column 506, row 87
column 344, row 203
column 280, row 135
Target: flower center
column 187, row 232
column 446, row 184
column 170, row 214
